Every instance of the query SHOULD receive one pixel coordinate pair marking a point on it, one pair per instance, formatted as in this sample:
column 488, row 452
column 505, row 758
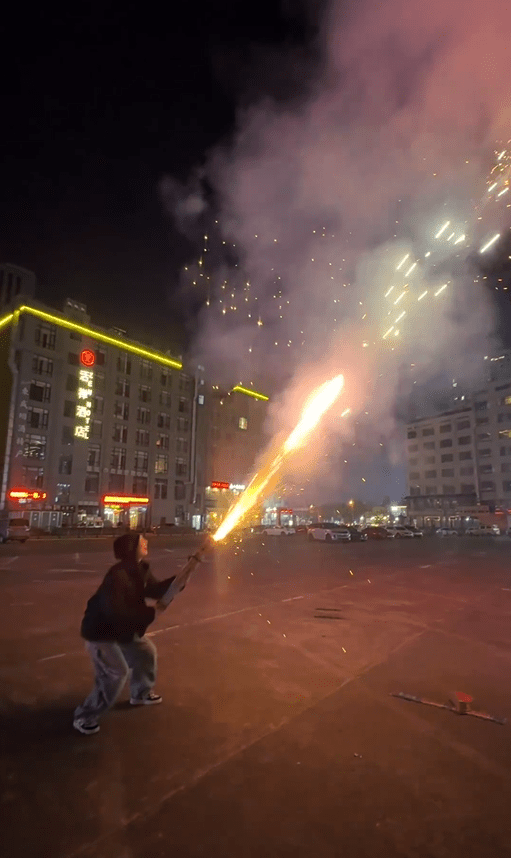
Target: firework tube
column 181, row 579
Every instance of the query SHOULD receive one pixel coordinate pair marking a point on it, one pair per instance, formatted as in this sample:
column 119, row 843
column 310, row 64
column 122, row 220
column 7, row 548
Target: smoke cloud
column 391, row 136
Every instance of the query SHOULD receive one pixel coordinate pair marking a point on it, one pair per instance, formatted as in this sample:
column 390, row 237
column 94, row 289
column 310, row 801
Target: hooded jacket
column 117, row 611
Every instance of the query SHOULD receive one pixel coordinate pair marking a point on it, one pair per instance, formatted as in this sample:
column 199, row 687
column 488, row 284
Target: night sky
column 99, row 103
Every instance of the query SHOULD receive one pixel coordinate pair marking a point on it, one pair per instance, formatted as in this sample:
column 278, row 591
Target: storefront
column 126, row 510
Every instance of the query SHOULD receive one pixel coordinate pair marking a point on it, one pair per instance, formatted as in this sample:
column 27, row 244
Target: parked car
column 400, row 531
column 482, row 530
column 446, row 531
column 357, row 535
column 328, row 532
column 301, row 528
column 415, row 530
column 374, row 531
column 277, row 530
column 15, row 529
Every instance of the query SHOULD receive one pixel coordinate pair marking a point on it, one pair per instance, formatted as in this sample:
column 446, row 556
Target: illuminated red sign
column 26, row 494
column 87, row 357
column 215, row 484
column 124, row 500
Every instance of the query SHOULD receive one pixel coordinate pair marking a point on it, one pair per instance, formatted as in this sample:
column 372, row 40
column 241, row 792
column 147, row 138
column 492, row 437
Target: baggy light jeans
column 112, row 663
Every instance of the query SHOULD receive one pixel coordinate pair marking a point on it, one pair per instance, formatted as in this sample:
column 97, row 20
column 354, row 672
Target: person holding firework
column 114, row 627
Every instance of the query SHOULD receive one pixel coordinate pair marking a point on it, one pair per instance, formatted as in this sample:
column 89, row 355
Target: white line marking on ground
column 51, row 657
column 292, row 599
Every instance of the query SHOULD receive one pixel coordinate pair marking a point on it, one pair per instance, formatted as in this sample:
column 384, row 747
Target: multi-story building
column 462, row 457
column 105, row 426
column 235, row 439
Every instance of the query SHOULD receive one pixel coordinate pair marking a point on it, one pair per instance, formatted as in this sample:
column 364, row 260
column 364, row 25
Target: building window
column 65, row 464
column 412, row 433
column 415, row 475
column 45, row 336
column 431, row 490
column 163, row 420
column 165, row 378
column 99, row 381
column 483, row 454
column 120, row 433
column 179, row 490
column 33, row 478
column 200, row 399
column 162, row 442
column 143, row 415
column 480, row 406
column 481, row 421
column 122, row 387
column 446, row 442
column 146, row 370
column 448, row 490
column 121, row 410
column 42, row 365
column 96, row 428
column 463, row 424
column 243, row 423
column 142, row 438
column 40, row 391
column 429, row 431
column 72, row 383
column 98, row 406
column 94, row 456
column 72, row 358
column 464, row 439
column 92, row 483
column 160, row 489
column 69, row 408
column 505, row 468
column 448, row 472
column 140, row 486
column 118, row 458
column 411, row 449
column 430, row 475
column 182, row 445
column 161, row 464
column 141, row 460
column 144, row 393
column 34, row 446
column 183, row 405
column 506, row 400
column 412, row 462
column 100, row 357
column 483, row 436
column 181, row 468
column 446, row 457
column 184, row 382
column 63, row 493
column 37, row 418
column 467, row 471
column 504, row 433
column 430, row 445
column 506, row 485
column 465, row 456
column 487, row 486
column 504, row 418
column 446, row 427
column 165, row 398
column 68, row 435
column 116, row 483
column 486, row 469
column 123, row 363
column 430, row 460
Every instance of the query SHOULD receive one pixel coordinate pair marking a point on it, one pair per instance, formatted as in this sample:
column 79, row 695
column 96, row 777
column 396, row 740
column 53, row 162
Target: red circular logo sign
column 87, row 357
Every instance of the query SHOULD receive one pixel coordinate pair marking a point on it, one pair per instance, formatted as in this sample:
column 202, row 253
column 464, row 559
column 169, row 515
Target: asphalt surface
column 278, row 735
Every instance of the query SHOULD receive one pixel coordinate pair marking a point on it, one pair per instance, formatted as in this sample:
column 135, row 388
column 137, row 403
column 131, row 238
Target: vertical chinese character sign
column 84, row 395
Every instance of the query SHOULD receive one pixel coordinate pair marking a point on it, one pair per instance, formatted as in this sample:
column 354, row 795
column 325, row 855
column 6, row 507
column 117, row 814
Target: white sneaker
column 86, row 727
column 149, row 700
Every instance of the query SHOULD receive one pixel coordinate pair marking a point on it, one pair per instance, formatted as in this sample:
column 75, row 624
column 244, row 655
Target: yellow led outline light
column 97, row 335
column 6, row 320
column 253, row 393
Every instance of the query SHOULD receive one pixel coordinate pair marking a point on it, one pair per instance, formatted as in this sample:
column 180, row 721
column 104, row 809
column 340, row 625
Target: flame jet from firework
column 316, row 406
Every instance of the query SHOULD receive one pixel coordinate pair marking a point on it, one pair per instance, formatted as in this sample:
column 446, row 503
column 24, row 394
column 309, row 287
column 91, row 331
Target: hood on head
column 125, row 548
